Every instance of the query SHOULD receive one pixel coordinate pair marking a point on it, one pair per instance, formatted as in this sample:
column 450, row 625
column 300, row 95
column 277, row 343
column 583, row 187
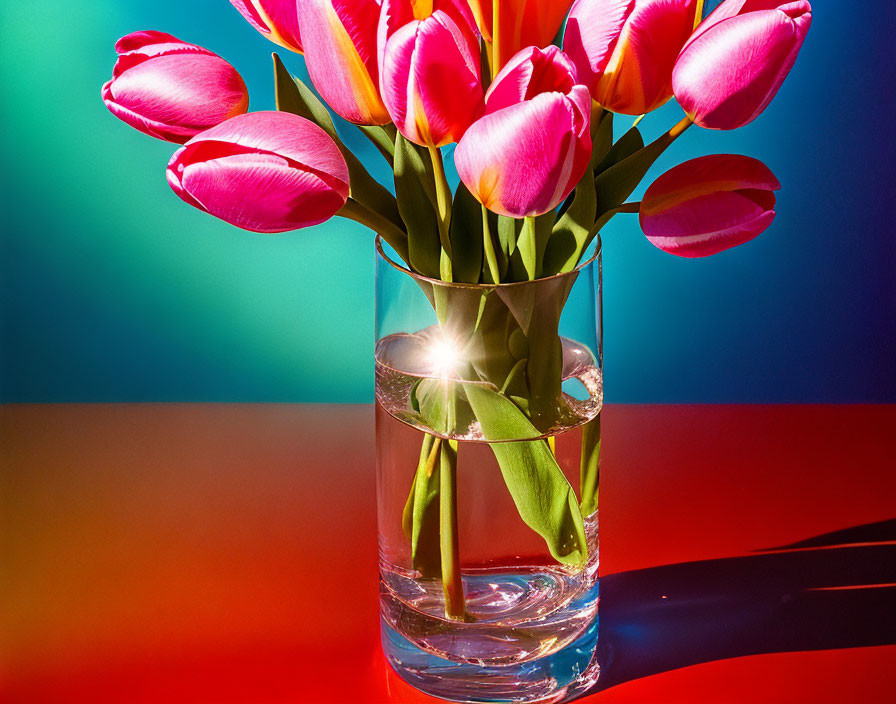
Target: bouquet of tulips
column 528, row 91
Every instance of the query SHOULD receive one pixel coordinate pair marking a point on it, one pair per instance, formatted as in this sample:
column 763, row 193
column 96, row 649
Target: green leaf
column 620, row 180
column 466, row 237
column 416, row 206
column 589, row 469
column 544, row 498
column 383, row 138
column 508, row 230
column 602, row 137
column 570, row 234
column 543, row 226
column 292, row 95
column 627, row 145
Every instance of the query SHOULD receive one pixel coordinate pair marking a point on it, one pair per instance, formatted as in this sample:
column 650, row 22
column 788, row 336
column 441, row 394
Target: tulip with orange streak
column 275, row 19
column 528, row 151
column 522, row 23
column 264, row 172
column 339, row 38
column 431, row 82
column 733, row 66
column 709, row 204
column 625, row 50
column 170, row 89
column 395, row 14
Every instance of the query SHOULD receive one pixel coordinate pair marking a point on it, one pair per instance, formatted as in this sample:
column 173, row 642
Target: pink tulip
column 395, row 14
column 339, row 37
column 526, row 154
column 521, row 23
column 170, row 89
column 624, row 50
column 275, row 19
column 706, row 205
column 733, row 66
column 431, row 81
column 264, row 171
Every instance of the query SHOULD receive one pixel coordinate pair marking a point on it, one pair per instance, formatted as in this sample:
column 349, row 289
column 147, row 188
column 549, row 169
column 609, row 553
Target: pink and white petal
column 345, row 74
column 592, row 31
column 728, row 77
column 707, row 174
column 169, row 133
column 446, row 76
column 260, row 193
column 395, row 81
column 713, row 212
column 190, row 91
column 512, row 82
column 518, row 161
column 283, row 133
column 707, row 244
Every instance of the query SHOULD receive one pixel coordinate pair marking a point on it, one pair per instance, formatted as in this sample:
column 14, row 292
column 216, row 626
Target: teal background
column 112, row 289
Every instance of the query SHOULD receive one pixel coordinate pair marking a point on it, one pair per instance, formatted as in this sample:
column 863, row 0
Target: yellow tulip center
column 422, row 8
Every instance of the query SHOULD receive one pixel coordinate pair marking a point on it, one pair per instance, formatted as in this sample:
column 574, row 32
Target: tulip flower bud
column 275, row 19
column 339, row 38
column 264, row 171
column 395, row 14
column 709, row 204
column 733, row 66
column 523, row 23
column 528, row 151
column 172, row 90
column 624, row 50
column 431, row 81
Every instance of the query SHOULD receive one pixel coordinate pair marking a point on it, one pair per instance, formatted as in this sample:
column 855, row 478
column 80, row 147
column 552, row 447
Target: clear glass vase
column 488, row 449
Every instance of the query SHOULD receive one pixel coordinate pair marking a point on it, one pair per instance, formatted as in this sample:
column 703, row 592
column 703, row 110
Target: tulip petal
column 737, row 220
column 234, row 172
column 185, row 91
column 431, row 82
column 260, row 192
column 728, row 76
column 339, row 37
column 276, row 19
column 530, row 72
column 591, row 34
column 284, row 134
column 709, row 204
column 170, row 89
column 521, row 160
column 704, row 175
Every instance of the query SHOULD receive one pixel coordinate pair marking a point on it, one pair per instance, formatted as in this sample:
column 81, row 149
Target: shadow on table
column 833, row 591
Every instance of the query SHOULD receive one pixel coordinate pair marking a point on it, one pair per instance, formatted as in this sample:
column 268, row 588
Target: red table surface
column 208, row 553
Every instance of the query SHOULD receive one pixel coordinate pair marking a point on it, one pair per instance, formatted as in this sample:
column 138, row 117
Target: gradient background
column 112, row 289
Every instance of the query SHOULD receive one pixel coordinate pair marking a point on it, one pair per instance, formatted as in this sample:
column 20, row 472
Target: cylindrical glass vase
column 488, row 449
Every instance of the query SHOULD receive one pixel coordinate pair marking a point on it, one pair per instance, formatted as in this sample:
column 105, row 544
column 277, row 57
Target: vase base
column 554, row 678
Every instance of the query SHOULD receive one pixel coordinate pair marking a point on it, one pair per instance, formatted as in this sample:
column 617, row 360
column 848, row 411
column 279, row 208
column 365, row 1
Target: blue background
column 114, row 290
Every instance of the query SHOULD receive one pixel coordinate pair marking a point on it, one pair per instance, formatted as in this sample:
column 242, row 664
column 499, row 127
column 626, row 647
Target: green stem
column 398, row 240
column 489, row 247
column 407, row 516
column 590, row 466
column 452, row 583
column 528, row 248
column 443, row 200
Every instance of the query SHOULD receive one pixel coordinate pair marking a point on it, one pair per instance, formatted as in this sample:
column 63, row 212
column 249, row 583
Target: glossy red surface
column 228, row 554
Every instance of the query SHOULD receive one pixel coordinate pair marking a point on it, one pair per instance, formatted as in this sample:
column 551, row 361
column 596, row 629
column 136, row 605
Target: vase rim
column 457, row 284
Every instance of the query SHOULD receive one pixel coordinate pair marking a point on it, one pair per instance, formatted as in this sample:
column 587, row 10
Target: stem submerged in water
column 452, row 584
column 590, row 466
